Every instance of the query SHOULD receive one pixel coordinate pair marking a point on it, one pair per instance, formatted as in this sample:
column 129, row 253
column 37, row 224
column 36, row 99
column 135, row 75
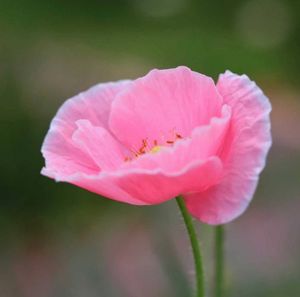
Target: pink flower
column 172, row 132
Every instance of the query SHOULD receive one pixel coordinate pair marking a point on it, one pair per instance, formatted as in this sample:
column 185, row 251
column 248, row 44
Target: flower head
column 172, row 132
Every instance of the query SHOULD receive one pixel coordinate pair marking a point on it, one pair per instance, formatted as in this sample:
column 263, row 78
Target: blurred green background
column 58, row 240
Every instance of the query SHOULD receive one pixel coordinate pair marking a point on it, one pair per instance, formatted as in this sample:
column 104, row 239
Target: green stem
column 219, row 261
column 195, row 247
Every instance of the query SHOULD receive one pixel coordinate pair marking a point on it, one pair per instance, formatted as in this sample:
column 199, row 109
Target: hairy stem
column 219, row 261
column 195, row 247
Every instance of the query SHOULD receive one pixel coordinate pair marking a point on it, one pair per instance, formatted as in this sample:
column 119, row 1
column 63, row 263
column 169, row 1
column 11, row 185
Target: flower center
column 154, row 148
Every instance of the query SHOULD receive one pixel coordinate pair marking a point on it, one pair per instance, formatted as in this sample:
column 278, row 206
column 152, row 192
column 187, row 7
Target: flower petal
column 59, row 151
column 141, row 186
column 162, row 103
column 248, row 142
column 98, row 143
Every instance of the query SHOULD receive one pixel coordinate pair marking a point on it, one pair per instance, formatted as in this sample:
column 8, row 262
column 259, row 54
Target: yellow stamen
column 155, row 149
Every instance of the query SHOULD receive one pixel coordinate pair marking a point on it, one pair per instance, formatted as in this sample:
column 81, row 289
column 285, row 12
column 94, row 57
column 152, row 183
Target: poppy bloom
column 172, row 132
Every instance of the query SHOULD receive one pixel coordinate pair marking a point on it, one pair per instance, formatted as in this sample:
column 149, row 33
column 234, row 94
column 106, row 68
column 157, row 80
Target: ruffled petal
column 99, row 145
column 141, row 186
column 59, row 151
column 244, row 153
column 163, row 103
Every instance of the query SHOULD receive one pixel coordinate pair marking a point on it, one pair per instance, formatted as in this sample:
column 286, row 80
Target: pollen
column 155, row 149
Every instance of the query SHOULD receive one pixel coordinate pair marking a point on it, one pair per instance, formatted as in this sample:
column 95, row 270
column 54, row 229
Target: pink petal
column 98, row 144
column 162, row 103
column 244, row 154
column 59, row 151
column 63, row 158
column 141, row 186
